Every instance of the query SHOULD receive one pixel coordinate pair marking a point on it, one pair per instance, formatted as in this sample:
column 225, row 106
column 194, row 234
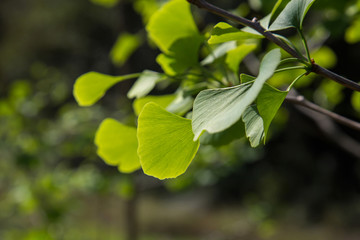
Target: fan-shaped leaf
column 217, row 109
column 92, row 86
column 292, row 16
column 224, row 32
column 117, row 145
column 166, row 146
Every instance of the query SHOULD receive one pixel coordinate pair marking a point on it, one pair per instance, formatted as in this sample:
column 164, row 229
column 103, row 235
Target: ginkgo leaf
column 225, row 137
column 171, row 23
column 173, row 30
column 117, row 145
column 92, row 86
column 145, row 83
column 224, row 32
column 166, row 146
column 235, row 56
column 292, row 16
column 254, row 125
column 268, row 103
column 163, row 101
column 124, row 46
column 218, row 52
column 217, row 109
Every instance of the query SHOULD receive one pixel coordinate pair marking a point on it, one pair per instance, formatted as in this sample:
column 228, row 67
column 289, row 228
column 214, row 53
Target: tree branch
column 271, row 37
column 301, row 101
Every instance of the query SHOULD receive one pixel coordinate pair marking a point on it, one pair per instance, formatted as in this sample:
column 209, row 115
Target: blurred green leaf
column 163, row 101
column 292, row 16
column 106, row 3
column 183, row 54
column 145, row 83
column 125, row 45
column 235, row 56
column 173, row 30
column 325, row 57
column 171, row 23
column 92, row 86
column 355, row 101
column 166, row 146
column 218, row 52
column 244, row 78
column 117, row 145
column 352, row 34
column 224, row 32
column 217, row 109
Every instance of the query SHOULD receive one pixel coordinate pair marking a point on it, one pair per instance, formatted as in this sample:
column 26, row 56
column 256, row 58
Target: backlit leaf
column 92, row 86
column 217, row 109
column 125, row 45
column 163, row 101
column 171, row 23
column 117, row 145
column 166, row 146
column 235, row 56
column 292, row 16
column 224, row 32
column 218, row 52
column 145, row 83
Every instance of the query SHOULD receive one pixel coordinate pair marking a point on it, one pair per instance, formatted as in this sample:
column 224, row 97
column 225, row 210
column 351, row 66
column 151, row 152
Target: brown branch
column 301, row 101
column 271, row 37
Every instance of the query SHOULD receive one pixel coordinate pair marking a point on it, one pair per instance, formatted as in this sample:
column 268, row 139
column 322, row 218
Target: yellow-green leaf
column 117, row 145
column 92, row 86
column 166, row 146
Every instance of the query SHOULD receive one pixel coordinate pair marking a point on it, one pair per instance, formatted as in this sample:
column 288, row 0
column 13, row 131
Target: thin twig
column 271, row 37
column 301, row 101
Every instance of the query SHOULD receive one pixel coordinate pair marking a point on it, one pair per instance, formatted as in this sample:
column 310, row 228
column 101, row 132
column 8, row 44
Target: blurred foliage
column 49, row 170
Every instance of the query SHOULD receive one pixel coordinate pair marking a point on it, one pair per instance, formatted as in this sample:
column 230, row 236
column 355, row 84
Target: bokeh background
column 304, row 184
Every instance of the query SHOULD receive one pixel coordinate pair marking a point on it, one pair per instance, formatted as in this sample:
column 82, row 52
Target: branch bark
column 271, row 37
column 301, row 101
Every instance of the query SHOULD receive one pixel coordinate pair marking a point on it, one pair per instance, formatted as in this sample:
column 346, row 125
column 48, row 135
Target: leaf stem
column 288, row 60
column 290, row 68
column 305, row 44
column 296, row 79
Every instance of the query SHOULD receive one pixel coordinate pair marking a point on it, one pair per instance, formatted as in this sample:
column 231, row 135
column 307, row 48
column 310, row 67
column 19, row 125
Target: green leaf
column 235, row 56
column 225, row 137
column 181, row 104
column 254, row 125
column 355, row 101
column 217, row 109
column 163, row 101
column 125, row 45
column 117, row 145
column 223, row 32
column 218, row 52
column 244, row 78
column 268, row 103
column 292, row 16
column 171, row 23
column 105, row 3
column 183, row 54
column 166, row 146
column 173, row 30
column 145, row 83
column 92, row 86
